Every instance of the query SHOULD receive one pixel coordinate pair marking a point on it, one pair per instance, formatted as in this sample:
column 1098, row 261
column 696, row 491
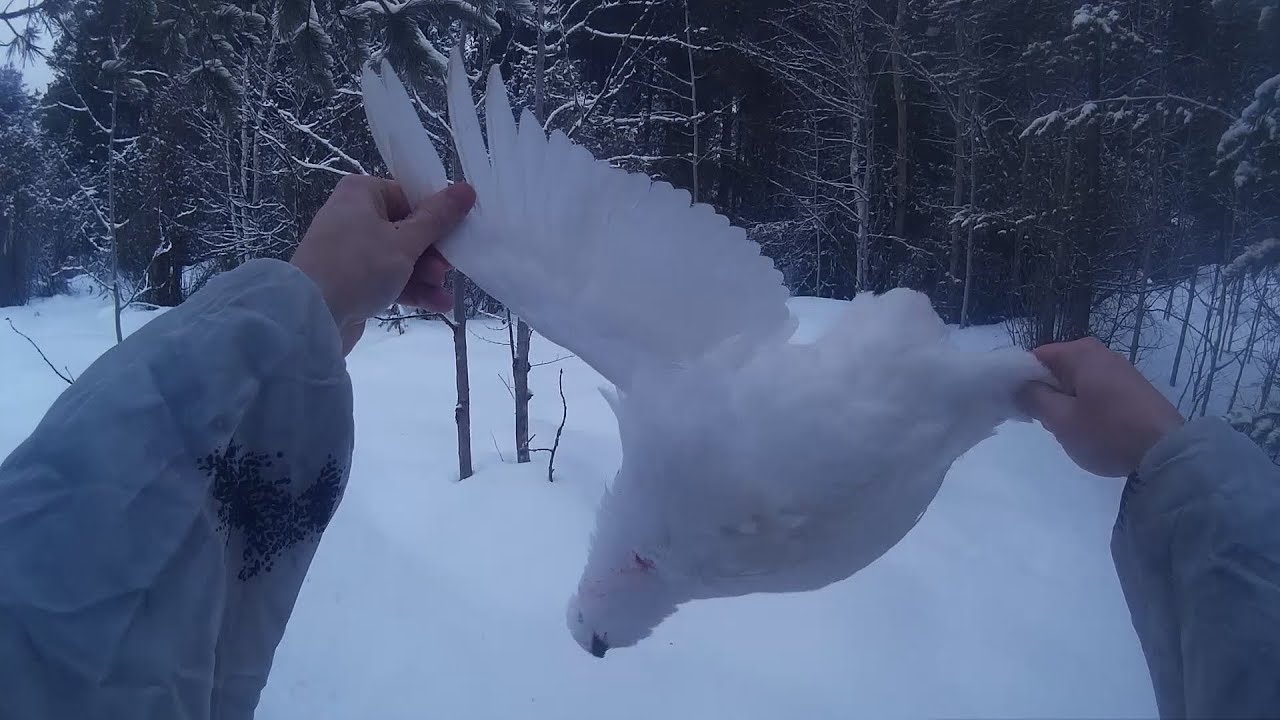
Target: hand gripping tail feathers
column 750, row 463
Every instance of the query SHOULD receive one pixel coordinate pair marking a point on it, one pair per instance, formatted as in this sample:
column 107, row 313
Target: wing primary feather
column 498, row 118
column 508, row 173
column 571, row 243
column 532, row 145
column 413, row 159
column 465, row 126
column 375, row 103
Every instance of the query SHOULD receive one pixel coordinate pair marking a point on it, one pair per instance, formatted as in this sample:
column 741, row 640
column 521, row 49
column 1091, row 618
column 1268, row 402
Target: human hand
column 1106, row 415
column 366, row 250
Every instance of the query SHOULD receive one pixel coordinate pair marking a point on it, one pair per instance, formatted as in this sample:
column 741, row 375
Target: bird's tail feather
column 996, row 376
column 881, row 332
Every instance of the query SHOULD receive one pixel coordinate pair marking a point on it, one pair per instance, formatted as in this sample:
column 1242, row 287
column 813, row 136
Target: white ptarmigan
column 750, row 463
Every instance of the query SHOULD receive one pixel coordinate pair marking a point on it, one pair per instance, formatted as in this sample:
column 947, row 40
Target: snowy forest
column 449, row 512
column 1054, row 165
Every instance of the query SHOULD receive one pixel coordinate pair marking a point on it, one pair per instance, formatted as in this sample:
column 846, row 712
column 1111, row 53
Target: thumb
column 434, row 218
column 1051, row 407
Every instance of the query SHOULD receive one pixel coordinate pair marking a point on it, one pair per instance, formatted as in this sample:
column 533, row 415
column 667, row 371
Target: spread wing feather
column 405, row 146
column 625, row 272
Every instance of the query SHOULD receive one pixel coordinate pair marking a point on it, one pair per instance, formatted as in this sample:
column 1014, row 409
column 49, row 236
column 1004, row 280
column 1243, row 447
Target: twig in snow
column 495, row 446
column 564, row 415
column 68, row 378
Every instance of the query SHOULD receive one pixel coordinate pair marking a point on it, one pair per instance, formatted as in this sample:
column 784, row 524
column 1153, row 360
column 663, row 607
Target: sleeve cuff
column 1183, row 465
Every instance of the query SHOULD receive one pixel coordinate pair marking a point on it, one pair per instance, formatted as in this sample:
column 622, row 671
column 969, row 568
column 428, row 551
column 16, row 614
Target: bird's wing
column 625, row 272
column 402, row 142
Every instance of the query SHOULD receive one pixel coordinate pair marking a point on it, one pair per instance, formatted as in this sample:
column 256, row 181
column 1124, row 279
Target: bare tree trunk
column 1268, row 380
column 1088, row 237
column 1224, row 321
column 1140, row 310
column 1235, row 309
column 1244, row 360
column 258, row 115
column 237, row 228
column 861, row 140
column 1155, row 157
column 1186, row 322
column 1202, row 349
column 856, row 174
column 13, row 277
column 864, row 205
column 1021, row 236
column 973, row 199
column 111, row 212
column 520, row 374
column 462, row 411
column 524, row 334
column 540, row 61
column 1180, row 243
column 957, row 187
column 968, row 279
column 1215, row 347
column 693, row 102
column 900, row 99
column 817, row 227
column 245, row 153
column 957, row 197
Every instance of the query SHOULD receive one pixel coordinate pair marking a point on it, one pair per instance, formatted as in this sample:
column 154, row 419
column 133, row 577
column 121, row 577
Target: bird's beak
column 598, row 646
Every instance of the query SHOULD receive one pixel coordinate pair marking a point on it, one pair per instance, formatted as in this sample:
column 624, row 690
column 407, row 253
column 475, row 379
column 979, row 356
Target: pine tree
column 20, row 150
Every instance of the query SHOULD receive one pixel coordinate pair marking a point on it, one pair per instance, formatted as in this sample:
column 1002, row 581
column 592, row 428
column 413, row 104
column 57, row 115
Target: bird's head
column 629, row 585
column 620, row 605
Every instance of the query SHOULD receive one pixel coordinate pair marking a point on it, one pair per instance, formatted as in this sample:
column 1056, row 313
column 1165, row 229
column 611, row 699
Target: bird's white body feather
column 750, row 464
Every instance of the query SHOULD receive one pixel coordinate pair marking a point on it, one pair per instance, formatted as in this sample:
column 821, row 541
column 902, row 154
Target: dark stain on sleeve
column 255, row 498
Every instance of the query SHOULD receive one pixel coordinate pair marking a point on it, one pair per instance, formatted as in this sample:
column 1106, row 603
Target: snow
column 1082, row 17
column 1041, row 125
column 1245, row 173
column 1087, row 15
column 1082, row 116
column 1263, row 253
column 1266, row 99
column 430, row 597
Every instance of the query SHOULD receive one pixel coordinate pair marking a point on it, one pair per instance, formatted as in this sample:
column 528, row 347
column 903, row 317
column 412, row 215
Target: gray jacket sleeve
column 1197, row 549
column 157, row 525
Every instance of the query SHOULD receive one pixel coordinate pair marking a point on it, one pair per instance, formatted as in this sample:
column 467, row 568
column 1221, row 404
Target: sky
column 36, row 75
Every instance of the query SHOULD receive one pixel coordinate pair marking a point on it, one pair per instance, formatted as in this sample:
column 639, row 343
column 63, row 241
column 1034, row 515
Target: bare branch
column 68, row 378
column 555, row 445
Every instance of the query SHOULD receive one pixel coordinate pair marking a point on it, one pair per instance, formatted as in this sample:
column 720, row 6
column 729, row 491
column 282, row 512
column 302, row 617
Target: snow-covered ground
column 434, row 598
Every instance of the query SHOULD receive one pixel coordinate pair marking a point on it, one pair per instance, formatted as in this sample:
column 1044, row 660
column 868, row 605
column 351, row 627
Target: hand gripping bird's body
column 750, row 463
